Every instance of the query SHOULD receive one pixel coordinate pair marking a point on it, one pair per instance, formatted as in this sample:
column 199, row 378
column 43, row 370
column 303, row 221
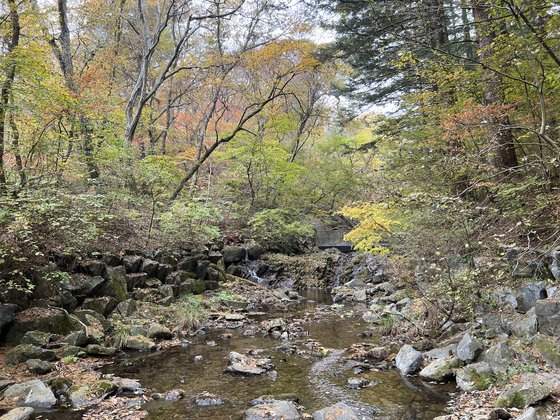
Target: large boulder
column 32, row 393
column 132, row 263
column 103, row 305
column 408, row 360
column 441, row 369
column 23, row 352
column 548, row 350
column 548, row 316
column 339, row 411
column 7, row 312
column 500, row 357
column 48, row 320
column 116, row 285
column 150, row 267
column 526, row 326
column 475, row 377
column 277, row 410
column 93, row 267
column 20, row 413
column 37, row 338
column 469, row 348
column 82, row 285
column 523, row 395
column 234, row 254
column 528, row 296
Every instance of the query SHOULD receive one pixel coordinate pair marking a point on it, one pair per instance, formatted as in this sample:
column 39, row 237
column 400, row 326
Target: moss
column 548, row 350
column 101, row 388
column 481, row 381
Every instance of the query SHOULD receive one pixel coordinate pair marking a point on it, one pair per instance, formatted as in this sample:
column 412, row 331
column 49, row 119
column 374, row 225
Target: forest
column 175, row 161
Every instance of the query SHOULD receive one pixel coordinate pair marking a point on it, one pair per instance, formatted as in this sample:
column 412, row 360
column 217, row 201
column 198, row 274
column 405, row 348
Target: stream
column 318, row 382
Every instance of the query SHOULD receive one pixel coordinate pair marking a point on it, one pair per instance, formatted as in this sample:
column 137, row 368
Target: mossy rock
column 478, row 376
column 67, row 351
column 59, row 385
column 548, row 350
column 23, row 352
column 45, row 320
column 86, row 395
column 116, row 283
column 523, row 395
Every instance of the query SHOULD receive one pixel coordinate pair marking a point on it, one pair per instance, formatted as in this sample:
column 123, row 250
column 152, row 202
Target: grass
column 189, row 311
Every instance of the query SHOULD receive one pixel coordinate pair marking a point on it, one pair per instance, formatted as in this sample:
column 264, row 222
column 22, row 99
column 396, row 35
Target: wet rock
column 20, row 413
column 277, row 410
column 139, row 343
column 198, row 359
column 408, row 360
column 172, row 395
column 48, row 320
column 87, row 395
column 548, row 316
column 233, row 254
column 523, row 395
column 208, row 400
column 469, row 348
column 527, row 326
column 37, row 338
column 340, row 411
column 475, row 377
column 23, row 352
column 274, row 324
column 102, row 305
column 116, row 285
column 245, row 365
column 159, row 332
column 101, row 351
column 82, row 285
column 441, row 369
column 265, row 399
column 39, row 366
column 128, row 385
column 548, row 350
column 528, row 295
column 7, row 312
column 357, row 383
column 500, row 357
column 32, row 393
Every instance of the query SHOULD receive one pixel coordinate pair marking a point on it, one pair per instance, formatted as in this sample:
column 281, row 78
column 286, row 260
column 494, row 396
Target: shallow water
column 317, row 382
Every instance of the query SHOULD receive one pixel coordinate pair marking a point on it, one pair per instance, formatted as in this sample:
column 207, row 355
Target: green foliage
column 279, row 230
column 189, row 311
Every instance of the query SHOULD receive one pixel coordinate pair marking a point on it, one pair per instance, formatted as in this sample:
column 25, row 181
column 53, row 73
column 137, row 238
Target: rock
column 159, row 332
column 128, row 385
column 202, row 267
column 469, row 348
column 39, row 366
column 531, row 414
column 132, row 263
column 500, row 357
column 139, row 343
column 111, row 260
column 59, row 385
column 102, row 351
column 340, row 411
column 152, row 282
column 150, row 267
column 208, row 400
column 67, row 351
column 81, row 285
column 359, row 295
column 20, row 413
column 116, row 285
column 102, row 305
column 357, row 383
column 77, row 338
column 477, row 376
column 274, row 324
column 173, row 395
column 441, row 369
column 278, row 410
column 5, row 383
column 265, row 399
column 527, row 326
column 94, row 267
column 134, row 280
column 233, row 254
column 548, row 316
column 548, row 350
column 198, row 359
column 163, row 271
column 47, row 320
column 23, row 352
column 499, row 414
column 408, row 360
column 441, row 352
column 127, row 307
column 86, row 395
column 37, row 338
column 254, row 250
column 32, row 393
column 245, row 365
column 523, row 395
column 7, row 312
column 528, row 296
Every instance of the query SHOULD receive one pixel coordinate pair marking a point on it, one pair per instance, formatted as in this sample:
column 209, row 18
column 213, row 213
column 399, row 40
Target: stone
column 7, row 312
column 77, row 338
column 165, row 291
column 359, row 295
column 152, row 282
column 249, row 366
column 357, row 383
column 277, row 410
column 442, row 369
column 526, row 326
column 87, row 395
column 548, row 316
column 139, row 343
column 274, row 324
column 132, row 263
column 208, row 400
column 441, row 352
column 39, row 366
column 408, row 360
column 548, row 350
column 67, row 351
column 159, row 332
column 265, row 399
column 339, row 411
column 116, row 285
column 59, row 385
column 94, row 267
column 37, row 338
column 475, row 377
column 112, row 260
column 528, row 295
column 202, row 267
column 531, row 414
column 254, row 250
column 172, row 395
column 47, row 320
column 150, row 267
column 20, row 413
column 500, row 357
column 81, row 285
column 127, row 307
column 102, row 351
column 23, row 352
column 134, row 280
column 163, row 271
column 523, row 395
column 102, row 305
column 128, row 385
column 469, row 348
column 233, row 254
column 32, row 393
column 5, row 383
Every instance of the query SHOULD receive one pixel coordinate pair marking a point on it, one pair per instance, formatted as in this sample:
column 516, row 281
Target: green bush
column 278, row 230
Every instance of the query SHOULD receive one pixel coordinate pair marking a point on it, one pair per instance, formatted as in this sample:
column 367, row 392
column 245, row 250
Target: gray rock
column 441, row 352
column 278, row 410
column 67, row 351
column 526, row 326
column 245, row 365
column 48, row 320
column 81, row 285
column 408, row 360
column 132, row 263
column 357, row 383
column 97, row 350
column 477, row 376
column 548, row 350
column 234, row 254
column 208, row 400
column 87, row 395
column 150, row 267
column 127, row 307
column 339, row 411
column 548, row 316
column 39, row 366
column 531, row 414
column 500, row 357
column 37, row 338
column 134, row 280
column 528, row 296
column 159, row 332
column 116, row 285
column 7, row 312
column 103, row 305
column 555, row 264
column 5, row 383
column 20, row 413
column 78, row 338
column 128, row 385
column 139, row 343
column 23, row 352
column 32, row 393
column 523, row 395
column 469, row 348
column 441, row 369
column 94, row 267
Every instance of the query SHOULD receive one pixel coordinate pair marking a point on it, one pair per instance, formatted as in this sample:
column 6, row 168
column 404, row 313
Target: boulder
column 408, row 360
column 150, row 267
column 548, row 350
column 134, row 280
column 163, row 271
column 441, row 369
column 77, row 338
column 441, row 352
column 523, row 395
column 139, row 343
column 59, row 385
column 234, row 254
column 132, row 263
column 103, row 305
column 32, row 393
column 469, row 348
column 20, row 413
column 159, row 332
column 86, row 395
column 67, row 351
column 475, row 377
column 500, row 357
column 254, row 250
column 532, row 413
column 112, row 260
column 82, row 285
column 248, row 366
column 528, row 296
column 5, row 383
column 127, row 308
column 548, row 316
column 526, row 326
column 93, row 267
column 48, row 320
column 116, row 285
column 339, row 411
column 102, row 351
column 37, row 338
column 39, row 366
column 278, row 410
column 7, row 312
column 23, row 352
